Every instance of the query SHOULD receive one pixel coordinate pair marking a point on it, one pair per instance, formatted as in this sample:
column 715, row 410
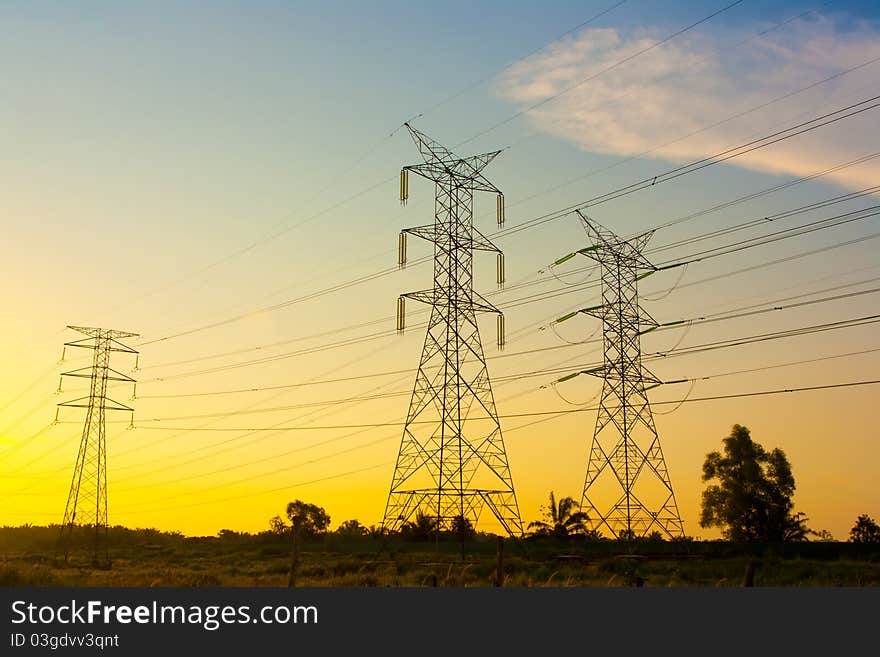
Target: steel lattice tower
column 626, row 462
column 87, row 500
column 452, row 462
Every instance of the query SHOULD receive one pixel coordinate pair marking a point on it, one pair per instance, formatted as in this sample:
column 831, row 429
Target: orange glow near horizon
column 201, row 182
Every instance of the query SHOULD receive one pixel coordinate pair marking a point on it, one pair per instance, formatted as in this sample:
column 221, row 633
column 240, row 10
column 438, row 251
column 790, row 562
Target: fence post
column 294, row 557
column 499, row 571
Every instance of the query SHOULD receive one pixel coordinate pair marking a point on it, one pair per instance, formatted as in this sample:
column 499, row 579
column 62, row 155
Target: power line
column 762, row 265
column 719, row 344
column 549, row 295
column 279, row 228
column 745, row 198
column 777, row 261
column 828, row 222
column 656, row 356
column 301, row 448
column 374, row 442
column 352, row 401
column 699, row 320
column 28, row 388
column 809, row 207
column 801, row 128
column 274, row 490
column 700, row 130
column 697, row 165
column 589, row 78
column 729, row 118
column 702, row 378
column 25, row 441
column 146, row 445
column 821, row 224
column 285, row 386
column 284, row 468
column 577, row 27
column 374, row 186
column 546, row 414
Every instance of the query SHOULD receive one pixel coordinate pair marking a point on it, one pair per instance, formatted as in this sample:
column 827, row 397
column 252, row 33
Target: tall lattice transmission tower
column 452, row 463
column 87, row 500
column 627, row 490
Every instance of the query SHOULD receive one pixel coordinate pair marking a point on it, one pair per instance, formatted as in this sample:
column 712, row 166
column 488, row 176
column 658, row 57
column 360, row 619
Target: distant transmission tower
column 626, row 464
column 452, row 463
column 87, row 500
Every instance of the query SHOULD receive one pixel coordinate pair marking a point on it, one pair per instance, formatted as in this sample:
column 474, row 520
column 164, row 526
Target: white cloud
column 699, row 79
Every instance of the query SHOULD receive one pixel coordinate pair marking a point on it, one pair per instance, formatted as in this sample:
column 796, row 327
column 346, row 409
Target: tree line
column 748, row 497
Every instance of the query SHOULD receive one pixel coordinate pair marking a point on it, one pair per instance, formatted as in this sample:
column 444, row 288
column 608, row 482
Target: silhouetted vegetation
column 309, row 520
column 561, row 519
column 422, row 527
column 148, row 557
column 865, row 530
column 351, row 529
column 752, row 499
column 749, row 498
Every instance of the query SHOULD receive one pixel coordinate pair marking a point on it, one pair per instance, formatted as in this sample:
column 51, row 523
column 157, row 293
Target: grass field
column 150, row 558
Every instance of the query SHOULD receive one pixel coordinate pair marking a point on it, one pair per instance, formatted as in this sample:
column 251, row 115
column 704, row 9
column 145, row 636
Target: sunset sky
column 215, row 178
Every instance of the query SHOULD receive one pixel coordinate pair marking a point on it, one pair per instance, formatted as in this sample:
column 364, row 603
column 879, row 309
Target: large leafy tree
column 309, row 520
column 865, row 530
column 750, row 497
column 561, row 519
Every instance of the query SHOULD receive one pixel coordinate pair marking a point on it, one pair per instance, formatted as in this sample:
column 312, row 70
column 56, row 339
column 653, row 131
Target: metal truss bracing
column 452, row 464
column 87, row 499
column 627, row 490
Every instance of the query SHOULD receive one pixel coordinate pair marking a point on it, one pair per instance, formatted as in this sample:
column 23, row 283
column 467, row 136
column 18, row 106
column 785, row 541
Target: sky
column 172, row 168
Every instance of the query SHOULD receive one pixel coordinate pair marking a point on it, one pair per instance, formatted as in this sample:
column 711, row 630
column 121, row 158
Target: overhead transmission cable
column 548, row 414
column 607, row 69
column 829, row 222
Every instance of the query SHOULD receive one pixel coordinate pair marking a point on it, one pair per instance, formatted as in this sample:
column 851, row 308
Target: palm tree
column 461, row 528
column 422, row 528
column 796, row 528
column 561, row 520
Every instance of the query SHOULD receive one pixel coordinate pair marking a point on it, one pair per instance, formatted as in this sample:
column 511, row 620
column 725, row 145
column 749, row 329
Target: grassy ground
column 149, row 558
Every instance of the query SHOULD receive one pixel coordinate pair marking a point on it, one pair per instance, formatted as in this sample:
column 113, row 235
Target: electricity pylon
column 626, row 464
column 87, row 500
column 452, row 463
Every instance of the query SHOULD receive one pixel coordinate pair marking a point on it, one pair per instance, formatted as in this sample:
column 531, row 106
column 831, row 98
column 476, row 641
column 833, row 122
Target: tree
column 560, row 520
column 228, row 534
column 462, row 528
column 796, row 529
column 752, row 499
column 376, row 531
column 351, row 529
column 865, row 530
column 277, row 526
column 308, row 520
column 824, row 536
column 421, row 528
column 626, row 535
column 593, row 535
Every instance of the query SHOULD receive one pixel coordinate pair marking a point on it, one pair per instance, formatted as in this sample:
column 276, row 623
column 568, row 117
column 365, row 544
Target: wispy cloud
column 652, row 102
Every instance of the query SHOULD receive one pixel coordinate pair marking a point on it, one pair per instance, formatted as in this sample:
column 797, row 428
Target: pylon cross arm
column 121, row 348
column 461, row 172
column 432, row 233
column 480, row 242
